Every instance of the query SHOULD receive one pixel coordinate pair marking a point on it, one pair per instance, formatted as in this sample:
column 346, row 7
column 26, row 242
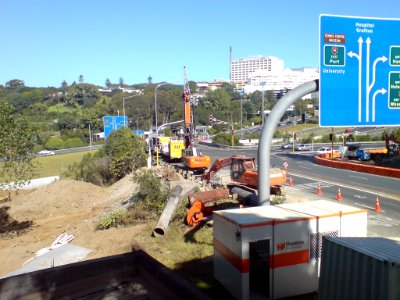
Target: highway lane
column 302, row 164
column 357, row 189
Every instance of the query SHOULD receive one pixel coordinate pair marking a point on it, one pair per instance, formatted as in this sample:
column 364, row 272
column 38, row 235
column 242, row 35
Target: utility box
column 274, row 252
column 360, row 268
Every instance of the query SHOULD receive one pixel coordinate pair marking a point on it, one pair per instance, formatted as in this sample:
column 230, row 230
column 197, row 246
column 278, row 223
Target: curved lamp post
column 155, row 103
column 123, row 102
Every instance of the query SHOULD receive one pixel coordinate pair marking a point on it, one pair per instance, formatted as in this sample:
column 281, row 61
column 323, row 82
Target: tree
column 16, row 147
column 54, row 143
column 121, row 82
column 219, row 99
column 81, row 79
column 126, row 152
column 64, row 85
column 15, row 83
column 149, row 80
column 108, row 83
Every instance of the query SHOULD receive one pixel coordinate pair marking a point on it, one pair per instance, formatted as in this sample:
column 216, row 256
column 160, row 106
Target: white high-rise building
column 242, row 69
column 285, row 79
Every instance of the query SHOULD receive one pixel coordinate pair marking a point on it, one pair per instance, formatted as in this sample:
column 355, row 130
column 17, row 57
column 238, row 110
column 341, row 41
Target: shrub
column 92, row 168
column 126, row 152
column 54, row 143
column 122, row 154
column 225, row 139
column 112, row 220
column 74, row 142
column 151, row 195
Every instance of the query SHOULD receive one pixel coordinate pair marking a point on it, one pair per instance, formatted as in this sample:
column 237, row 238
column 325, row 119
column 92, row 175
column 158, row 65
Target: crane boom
column 188, row 118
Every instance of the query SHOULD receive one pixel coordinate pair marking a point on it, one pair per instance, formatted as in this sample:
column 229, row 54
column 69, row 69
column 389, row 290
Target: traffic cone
column 319, row 191
column 339, row 195
column 377, row 205
column 291, row 182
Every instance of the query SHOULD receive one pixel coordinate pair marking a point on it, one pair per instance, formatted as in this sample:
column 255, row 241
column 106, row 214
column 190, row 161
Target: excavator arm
column 217, row 165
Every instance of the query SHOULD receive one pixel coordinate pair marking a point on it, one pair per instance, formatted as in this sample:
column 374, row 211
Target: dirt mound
column 67, row 206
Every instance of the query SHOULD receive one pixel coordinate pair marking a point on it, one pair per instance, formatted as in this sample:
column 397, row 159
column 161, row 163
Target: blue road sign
column 113, row 123
column 359, row 71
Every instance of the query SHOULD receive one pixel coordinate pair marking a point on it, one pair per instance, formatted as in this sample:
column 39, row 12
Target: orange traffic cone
column 319, row 191
column 377, row 205
column 339, row 195
column 291, row 182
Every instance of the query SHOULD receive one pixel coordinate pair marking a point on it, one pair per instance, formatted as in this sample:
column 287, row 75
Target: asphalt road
column 357, row 189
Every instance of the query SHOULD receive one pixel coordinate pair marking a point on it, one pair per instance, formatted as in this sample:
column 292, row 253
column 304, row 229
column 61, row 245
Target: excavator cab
column 240, row 165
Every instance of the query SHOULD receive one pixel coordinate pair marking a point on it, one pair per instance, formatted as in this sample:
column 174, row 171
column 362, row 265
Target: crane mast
column 188, row 116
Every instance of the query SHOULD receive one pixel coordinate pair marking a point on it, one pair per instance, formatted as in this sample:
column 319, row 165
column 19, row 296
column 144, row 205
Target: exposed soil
column 33, row 219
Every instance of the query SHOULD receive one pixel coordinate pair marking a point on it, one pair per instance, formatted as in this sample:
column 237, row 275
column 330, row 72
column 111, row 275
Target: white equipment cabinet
column 273, row 252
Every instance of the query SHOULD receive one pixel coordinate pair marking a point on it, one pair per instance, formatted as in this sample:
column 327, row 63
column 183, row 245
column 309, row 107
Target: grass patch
column 296, row 128
column 56, row 165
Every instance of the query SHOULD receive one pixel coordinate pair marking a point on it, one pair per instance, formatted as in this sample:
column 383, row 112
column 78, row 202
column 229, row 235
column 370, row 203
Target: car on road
column 46, row 152
column 302, row 147
column 323, row 150
column 287, row 146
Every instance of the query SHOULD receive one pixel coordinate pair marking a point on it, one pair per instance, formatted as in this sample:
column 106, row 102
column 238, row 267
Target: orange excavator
column 243, row 182
column 243, row 173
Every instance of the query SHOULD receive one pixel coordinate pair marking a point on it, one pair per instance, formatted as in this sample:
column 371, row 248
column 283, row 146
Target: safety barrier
column 324, row 159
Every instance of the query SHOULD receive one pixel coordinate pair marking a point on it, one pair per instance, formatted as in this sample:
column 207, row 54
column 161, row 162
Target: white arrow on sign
column 381, row 91
column 359, row 58
column 368, row 42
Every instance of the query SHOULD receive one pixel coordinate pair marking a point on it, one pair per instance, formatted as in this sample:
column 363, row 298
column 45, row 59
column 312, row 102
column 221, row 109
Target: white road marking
column 366, row 206
column 311, row 185
column 358, row 177
column 382, row 195
column 359, row 197
column 308, row 168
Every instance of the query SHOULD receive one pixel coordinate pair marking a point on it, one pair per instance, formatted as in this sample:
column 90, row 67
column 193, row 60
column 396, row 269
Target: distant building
column 284, row 79
column 101, row 90
column 267, row 73
column 124, row 90
column 130, row 90
column 242, row 69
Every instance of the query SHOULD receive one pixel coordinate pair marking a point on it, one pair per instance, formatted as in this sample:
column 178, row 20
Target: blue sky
column 44, row 42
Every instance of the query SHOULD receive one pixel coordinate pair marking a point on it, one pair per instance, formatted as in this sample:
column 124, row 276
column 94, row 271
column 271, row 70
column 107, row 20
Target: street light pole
column 123, row 103
column 241, row 115
column 262, row 103
column 155, row 103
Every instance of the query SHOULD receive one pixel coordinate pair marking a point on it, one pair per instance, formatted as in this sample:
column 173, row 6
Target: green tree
column 54, row 143
column 16, row 147
column 108, row 83
column 73, row 142
column 81, row 79
column 126, row 152
column 225, row 139
column 219, row 100
column 15, row 83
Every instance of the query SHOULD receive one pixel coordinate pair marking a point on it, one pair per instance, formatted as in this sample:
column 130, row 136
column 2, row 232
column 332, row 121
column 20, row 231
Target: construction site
column 229, row 242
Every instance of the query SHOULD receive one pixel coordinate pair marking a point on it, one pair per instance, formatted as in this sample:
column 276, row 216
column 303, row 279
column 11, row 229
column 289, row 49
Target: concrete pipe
column 209, row 196
column 169, row 210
